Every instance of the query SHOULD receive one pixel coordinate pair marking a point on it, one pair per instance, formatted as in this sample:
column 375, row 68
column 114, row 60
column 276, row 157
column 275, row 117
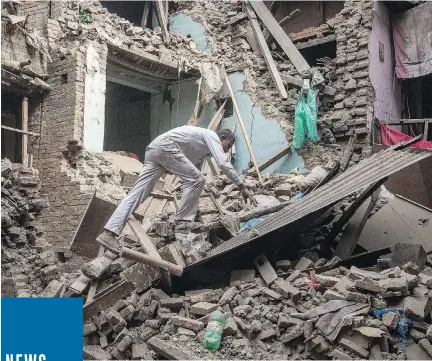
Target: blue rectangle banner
column 41, row 329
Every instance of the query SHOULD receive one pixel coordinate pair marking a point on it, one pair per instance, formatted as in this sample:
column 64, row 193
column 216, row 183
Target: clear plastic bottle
column 213, row 335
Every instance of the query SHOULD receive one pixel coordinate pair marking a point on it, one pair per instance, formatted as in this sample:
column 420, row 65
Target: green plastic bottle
column 213, row 335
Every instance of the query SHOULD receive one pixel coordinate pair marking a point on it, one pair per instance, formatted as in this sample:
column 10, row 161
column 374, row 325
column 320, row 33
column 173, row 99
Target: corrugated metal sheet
column 368, row 171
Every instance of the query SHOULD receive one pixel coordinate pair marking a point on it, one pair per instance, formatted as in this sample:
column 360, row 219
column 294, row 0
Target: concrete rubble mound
column 337, row 313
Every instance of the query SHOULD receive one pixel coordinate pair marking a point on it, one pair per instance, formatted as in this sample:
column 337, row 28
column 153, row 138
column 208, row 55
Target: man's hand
column 247, row 194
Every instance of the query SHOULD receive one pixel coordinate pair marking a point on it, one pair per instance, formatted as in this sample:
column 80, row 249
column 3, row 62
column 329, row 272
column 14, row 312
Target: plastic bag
column 305, row 126
column 316, row 175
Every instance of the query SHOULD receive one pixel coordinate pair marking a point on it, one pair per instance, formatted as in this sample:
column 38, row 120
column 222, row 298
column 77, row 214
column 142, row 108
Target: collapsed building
column 87, row 85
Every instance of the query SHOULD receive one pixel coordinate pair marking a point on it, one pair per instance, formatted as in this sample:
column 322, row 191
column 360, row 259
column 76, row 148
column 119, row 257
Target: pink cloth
column 390, row 136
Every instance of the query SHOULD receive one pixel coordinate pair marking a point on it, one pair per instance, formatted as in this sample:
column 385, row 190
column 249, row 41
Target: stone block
column 286, row 290
column 294, row 333
column 414, row 352
column 53, row 289
column 357, row 297
column 340, row 355
column 327, row 281
column 429, row 333
column 333, row 295
column 173, row 304
column 284, row 265
column 203, row 308
column 188, row 323
column 286, row 322
column 141, row 351
column 390, row 319
column 116, row 321
column 394, row 284
column 368, row 285
column 426, row 346
column 228, row 296
column 416, row 335
column 127, row 311
column 267, row 334
column 293, row 276
column 124, row 344
column 304, row 264
column 352, row 347
column 205, row 295
column 417, row 308
column 89, row 328
column 230, row 328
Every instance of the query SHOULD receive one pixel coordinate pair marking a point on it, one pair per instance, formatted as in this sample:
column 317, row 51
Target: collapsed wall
column 70, row 33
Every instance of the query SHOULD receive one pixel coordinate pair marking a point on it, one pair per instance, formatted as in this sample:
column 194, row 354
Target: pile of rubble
column 20, row 204
column 290, row 313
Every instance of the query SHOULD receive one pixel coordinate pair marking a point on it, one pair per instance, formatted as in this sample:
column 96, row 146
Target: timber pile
column 288, row 312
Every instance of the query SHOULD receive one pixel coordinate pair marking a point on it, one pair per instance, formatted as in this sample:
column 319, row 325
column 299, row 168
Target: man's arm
column 217, row 152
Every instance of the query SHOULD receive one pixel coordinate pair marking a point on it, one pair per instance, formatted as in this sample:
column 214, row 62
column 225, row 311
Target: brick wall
column 61, row 117
column 38, row 13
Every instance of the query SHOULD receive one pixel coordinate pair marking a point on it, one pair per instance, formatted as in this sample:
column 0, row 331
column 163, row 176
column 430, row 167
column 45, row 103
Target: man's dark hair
column 226, row 134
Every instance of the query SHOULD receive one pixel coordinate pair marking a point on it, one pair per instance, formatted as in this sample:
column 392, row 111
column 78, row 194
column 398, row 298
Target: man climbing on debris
column 179, row 151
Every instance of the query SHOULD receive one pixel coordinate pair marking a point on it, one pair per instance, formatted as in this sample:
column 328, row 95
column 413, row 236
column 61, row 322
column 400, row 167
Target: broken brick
column 203, row 308
column 351, row 346
column 189, row 323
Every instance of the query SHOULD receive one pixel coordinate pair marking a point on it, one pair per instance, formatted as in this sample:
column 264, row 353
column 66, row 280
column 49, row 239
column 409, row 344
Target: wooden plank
column 142, row 236
column 162, row 20
column 217, row 118
column 349, row 212
column 145, row 15
column 21, row 131
column 151, row 261
column 239, row 118
column 272, row 159
column 348, row 152
column 167, row 350
column 108, row 297
column 280, row 36
column 426, row 129
column 349, row 240
column 266, row 53
column 405, row 121
column 24, row 115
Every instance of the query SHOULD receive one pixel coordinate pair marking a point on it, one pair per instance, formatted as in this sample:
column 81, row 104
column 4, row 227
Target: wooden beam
column 348, row 152
column 24, row 152
column 147, row 5
column 162, row 20
column 148, row 246
column 243, row 128
column 349, row 212
column 280, row 36
column 266, row 53
column 405, row 121
column 217, row 118
column 272, row 159
column 21, row 131
column 426, row 129
column 346, row 248
column 151, row 261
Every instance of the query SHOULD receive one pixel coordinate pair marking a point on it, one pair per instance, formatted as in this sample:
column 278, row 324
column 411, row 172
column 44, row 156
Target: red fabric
column 132, row 155
column 390, row 136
